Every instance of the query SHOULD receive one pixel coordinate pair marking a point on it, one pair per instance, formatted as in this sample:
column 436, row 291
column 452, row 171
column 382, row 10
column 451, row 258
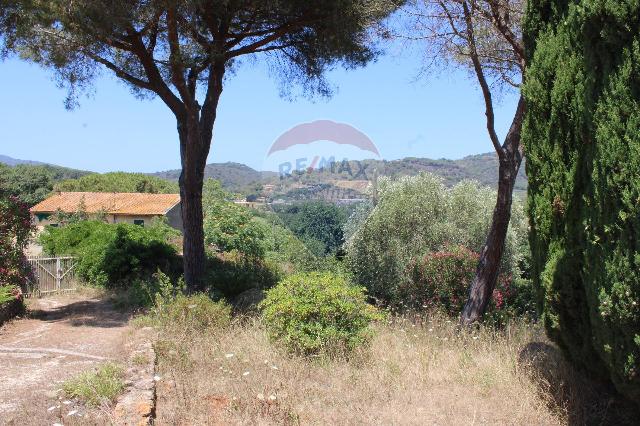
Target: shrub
column 318, row 314
column 192, row 313
column 229, row 227
column 233, row 273
column 418, row 215
column 113, row 255
column 97, row 387
column 15, row 229
column 439, row 280
column 582, row 138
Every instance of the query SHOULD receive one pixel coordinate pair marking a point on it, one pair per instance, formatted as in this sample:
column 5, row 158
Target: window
column 138, row 222
column 42, row 216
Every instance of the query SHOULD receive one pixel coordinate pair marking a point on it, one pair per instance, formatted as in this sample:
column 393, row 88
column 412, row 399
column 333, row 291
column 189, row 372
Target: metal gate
column 51, row 274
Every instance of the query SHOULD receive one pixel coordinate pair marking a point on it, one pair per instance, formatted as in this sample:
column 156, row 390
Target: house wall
column 41, row 223
column 174, row 217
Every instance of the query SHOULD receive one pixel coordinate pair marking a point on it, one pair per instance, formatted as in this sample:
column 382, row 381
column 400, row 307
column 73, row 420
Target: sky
column 405, row 114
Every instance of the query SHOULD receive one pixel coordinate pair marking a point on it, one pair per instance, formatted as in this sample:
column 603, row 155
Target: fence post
column 58, row 273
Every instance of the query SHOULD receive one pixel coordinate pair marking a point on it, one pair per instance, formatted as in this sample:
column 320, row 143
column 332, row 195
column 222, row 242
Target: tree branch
column 486, row 92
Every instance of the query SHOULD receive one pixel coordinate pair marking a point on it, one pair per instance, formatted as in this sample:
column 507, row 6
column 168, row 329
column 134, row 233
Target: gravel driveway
column 61, row 337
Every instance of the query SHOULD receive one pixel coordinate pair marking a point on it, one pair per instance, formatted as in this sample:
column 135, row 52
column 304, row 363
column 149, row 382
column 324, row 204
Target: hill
column 10, row 161
column 234, row 177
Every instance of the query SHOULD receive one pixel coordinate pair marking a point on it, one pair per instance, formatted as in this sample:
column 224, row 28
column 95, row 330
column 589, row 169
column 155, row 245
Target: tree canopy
column 118, row 182
column 181, row 51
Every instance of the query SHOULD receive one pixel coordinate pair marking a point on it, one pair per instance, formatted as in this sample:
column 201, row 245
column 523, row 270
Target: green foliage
column 232, row 273
column 171, row 308
column 33, row 183
column 113, row 254
column 318, row 314
column 15, row 229
column 230, row 227
column 582, row 138
column 95, row 388
column 118, row 182
column 318, row 224
column 194, row 313
column 284, row 248
column 419, row 215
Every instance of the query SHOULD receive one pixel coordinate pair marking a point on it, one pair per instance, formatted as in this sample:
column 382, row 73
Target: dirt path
column 63, row 336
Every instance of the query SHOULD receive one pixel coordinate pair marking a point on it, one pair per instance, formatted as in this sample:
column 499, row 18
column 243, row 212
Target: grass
column 415, row 372
column 97, row 387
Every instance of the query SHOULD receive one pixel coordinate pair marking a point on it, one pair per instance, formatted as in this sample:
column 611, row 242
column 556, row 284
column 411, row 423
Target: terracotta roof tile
column 110, row 202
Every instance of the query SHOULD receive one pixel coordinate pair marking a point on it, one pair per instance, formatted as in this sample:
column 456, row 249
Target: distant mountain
column 235, row 177
column 9, row 161
column 241, row 178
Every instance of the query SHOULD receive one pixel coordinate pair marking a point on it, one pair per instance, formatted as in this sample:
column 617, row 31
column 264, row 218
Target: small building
column 112, row 207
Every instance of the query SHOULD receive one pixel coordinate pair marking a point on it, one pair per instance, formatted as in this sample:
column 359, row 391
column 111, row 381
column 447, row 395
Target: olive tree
column 181, row 51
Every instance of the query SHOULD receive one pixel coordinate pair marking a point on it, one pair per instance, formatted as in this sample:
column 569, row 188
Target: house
column 112, row 207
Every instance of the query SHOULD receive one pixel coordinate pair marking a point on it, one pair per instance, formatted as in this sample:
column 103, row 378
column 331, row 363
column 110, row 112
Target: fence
column 51, row 274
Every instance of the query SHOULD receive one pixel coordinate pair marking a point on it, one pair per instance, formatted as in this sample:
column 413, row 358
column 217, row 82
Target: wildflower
column 272, row 397
column 228, row 356
column 246, row 373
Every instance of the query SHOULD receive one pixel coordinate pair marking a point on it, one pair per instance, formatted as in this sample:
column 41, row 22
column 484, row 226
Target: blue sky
column 435, row 116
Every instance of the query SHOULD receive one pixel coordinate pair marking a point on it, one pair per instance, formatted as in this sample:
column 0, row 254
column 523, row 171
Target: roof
column 119, row 203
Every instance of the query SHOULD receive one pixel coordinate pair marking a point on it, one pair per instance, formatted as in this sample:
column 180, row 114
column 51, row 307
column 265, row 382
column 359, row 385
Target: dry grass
column 428, row 373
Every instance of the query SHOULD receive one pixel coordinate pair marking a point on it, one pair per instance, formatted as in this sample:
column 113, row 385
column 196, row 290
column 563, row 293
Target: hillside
column 32, row 181
column 10, row 161
column 235, row 177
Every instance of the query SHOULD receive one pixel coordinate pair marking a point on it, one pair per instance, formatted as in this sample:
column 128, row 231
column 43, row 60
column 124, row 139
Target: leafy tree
column 176, row 50
column 230, row 227
column 118, row 182
column 317, row 223
column 485, row 37
column 582, row 136
column 419, row 215
column 33, row 183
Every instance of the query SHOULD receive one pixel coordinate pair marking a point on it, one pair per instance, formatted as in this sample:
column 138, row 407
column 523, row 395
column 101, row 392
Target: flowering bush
column 440, row 280
column 15, row 229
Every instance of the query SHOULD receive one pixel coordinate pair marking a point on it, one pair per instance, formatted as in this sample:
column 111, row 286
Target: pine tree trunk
column 191, row 181
column 195, row 130
column 488, row 269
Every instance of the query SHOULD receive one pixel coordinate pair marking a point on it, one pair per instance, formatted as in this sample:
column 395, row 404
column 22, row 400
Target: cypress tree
column 582, row 141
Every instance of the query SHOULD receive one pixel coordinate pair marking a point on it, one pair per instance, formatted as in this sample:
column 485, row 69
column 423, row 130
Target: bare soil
column 60, row 337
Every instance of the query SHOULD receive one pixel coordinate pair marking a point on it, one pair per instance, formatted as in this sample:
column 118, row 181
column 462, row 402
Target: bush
column 97, row 387
column 582, row 139
column 439, row 280
column 192, row 313
column 233, row 273
column 230, row 227
column 113, row 255
column 318, row 314
column 15, row 229
column 419, row 215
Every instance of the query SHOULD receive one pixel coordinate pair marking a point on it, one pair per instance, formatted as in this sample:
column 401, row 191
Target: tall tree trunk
column 191, row 181
column 484, row 282
column 195, row 130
